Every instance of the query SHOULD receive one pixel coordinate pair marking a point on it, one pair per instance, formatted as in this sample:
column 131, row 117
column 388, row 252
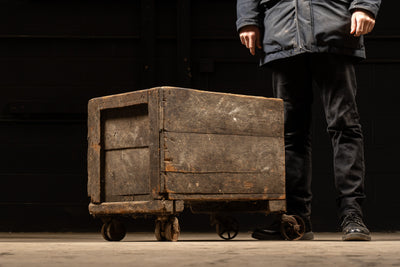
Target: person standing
column 306, row 43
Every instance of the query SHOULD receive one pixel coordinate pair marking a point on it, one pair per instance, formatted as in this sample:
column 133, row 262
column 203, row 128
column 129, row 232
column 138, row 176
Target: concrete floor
column 194, row 249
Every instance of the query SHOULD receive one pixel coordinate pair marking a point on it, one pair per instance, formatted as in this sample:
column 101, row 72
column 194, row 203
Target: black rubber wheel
column 104, row 231
column 113, row 230
column 227, row 228
column 172, row 229
column 292, row 227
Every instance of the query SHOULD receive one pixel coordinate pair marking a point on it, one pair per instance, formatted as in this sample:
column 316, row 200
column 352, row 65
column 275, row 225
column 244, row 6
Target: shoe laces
column 352, row 218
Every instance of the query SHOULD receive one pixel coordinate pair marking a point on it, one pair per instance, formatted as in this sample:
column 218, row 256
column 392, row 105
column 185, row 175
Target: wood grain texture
column 277, row 205
column 121, row 100
column 125, row 127
column 229, row 206
column 94, row 152
column 155, row 117
column 225, row 197
column 136, row 207
column 208, row 112
column 126, row 172
column 199, row 153
column 224, row 183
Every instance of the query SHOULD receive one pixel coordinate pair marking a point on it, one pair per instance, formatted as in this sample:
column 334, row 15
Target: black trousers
column 334, row 76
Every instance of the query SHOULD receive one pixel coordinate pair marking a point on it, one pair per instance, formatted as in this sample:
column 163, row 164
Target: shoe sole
column 260, row 236
column 307, row 236
column 356, row 237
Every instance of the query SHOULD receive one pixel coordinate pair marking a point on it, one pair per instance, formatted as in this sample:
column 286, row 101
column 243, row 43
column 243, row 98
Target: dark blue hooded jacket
column 292, row 27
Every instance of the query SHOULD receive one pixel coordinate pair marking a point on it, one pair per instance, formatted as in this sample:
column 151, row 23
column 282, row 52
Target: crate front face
column 222, row 146
column 125, row 156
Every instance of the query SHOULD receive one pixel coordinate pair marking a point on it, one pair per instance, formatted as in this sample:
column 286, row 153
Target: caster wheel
column 292, row 227
column 113, row 230
column 172, row 229
column 227, row 228
column 104, row 231
column 159, row 230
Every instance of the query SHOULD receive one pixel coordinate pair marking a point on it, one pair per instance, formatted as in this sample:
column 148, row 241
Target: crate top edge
column 115, row 96
column 127, row 94
column 220, row 93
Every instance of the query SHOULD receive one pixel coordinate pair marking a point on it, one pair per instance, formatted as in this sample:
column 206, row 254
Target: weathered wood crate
column 152, row 151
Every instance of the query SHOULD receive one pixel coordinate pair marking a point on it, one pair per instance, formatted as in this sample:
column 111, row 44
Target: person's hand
column 361, row 23
column 250, row 37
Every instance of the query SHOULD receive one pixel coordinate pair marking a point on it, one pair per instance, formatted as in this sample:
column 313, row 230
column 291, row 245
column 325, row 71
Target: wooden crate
column 153, row 150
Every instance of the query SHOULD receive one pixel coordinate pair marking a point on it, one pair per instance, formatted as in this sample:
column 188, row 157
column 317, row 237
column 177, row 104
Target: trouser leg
column 336, row 80
column 292, row 82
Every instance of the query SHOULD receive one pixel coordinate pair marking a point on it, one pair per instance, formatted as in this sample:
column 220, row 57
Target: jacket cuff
column 370, row 7
column 240, row 23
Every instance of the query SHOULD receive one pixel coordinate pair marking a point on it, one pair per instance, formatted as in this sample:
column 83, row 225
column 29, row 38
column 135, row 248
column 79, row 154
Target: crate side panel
column 126, row 172
column 225, row 183
column 94, row 153
column 125, row 127
column 199, row 153
column 155, row 117
column 207, row 112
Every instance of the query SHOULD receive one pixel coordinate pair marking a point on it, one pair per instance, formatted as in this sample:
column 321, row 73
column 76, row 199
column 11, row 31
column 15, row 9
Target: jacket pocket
column 332, row 23
column 280, row 27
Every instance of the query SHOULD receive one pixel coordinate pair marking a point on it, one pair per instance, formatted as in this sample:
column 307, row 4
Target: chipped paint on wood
column 136, row 207
column 169, row 167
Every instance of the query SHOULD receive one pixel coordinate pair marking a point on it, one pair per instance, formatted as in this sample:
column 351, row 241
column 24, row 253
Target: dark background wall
column 56, row 55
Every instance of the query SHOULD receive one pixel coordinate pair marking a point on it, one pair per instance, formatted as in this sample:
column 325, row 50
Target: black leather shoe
column 354, row 228
column 266, row 234
column 273, row 231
